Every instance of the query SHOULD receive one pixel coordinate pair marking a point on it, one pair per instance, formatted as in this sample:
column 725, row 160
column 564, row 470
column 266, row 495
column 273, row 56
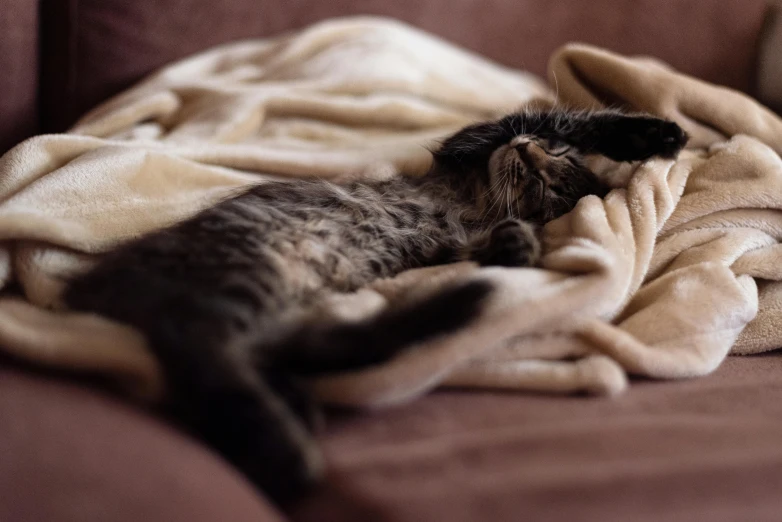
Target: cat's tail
column 356, row 345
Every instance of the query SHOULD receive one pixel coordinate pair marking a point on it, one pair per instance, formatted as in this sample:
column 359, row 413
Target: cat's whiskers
column 498, row 204
column 507, row 188
column 496, row 188
column 499, row 180
column 489, row 216
column 508, row 193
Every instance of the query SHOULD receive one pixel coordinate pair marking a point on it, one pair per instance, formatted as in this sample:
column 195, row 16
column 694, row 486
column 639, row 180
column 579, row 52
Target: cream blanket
column 663, row 278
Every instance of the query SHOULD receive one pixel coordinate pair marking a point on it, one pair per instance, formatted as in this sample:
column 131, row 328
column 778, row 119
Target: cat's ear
column 631, row 138
column 472, row 144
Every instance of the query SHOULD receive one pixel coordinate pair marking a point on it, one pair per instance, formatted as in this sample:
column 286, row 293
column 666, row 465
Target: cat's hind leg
column 349, row 346
column 213, row 389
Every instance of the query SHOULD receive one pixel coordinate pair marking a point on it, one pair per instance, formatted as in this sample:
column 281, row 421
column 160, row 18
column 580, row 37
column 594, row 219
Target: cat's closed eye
column 555, row 147
column 558, row 151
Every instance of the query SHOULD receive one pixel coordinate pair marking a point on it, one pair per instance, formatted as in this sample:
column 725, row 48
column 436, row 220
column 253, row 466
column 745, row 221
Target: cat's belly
column 323, row 236
column 343, row 262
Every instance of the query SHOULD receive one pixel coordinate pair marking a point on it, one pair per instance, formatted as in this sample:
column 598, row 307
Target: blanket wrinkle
column 663, row 278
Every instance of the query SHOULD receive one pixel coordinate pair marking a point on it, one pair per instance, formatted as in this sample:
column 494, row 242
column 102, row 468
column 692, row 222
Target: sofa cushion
column 95, row 48
column 18, row 71
column 702, row 450
column 71, row 455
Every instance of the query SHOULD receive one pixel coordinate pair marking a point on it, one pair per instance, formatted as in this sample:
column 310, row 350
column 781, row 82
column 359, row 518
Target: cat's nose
column 523, row 150
column 530, row 154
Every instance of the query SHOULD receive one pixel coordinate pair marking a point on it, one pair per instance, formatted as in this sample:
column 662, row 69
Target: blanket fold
column 662, row 278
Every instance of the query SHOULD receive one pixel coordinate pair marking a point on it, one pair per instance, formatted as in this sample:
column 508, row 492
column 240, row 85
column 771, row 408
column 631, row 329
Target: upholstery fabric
column 96, row 48
column 705, row 450
column 18, row 71
column 72, row 455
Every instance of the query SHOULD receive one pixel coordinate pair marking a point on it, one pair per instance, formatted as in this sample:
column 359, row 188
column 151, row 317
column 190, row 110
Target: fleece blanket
column 663, row 278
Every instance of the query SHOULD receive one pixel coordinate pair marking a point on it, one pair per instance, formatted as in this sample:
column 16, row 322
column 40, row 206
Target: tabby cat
column 215, row 295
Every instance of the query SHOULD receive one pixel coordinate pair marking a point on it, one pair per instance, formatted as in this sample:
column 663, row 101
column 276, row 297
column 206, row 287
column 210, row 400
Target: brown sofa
column 701, row 450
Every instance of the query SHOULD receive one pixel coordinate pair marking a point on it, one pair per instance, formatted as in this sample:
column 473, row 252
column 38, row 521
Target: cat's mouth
column 510, row 166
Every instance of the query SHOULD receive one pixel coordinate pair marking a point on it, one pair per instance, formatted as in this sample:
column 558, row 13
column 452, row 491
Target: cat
column 215, row 294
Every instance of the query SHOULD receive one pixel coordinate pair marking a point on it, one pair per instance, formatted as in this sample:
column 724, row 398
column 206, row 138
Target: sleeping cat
column 215, row 295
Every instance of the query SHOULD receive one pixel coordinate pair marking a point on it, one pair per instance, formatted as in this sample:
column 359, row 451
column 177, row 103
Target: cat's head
column 536, row 166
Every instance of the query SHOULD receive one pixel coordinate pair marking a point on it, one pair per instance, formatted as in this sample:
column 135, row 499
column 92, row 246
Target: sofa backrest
column 92, row 49
column 18, row 70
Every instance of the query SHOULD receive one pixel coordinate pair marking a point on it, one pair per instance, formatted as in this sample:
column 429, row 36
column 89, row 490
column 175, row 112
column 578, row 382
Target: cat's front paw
column 512, row 243
column 664, row 138
column 646, row 137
